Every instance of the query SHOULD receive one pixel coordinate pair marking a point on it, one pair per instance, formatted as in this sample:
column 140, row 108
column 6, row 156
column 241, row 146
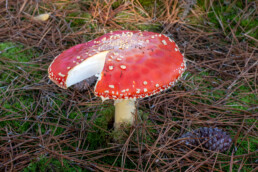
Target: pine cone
column 212, row 138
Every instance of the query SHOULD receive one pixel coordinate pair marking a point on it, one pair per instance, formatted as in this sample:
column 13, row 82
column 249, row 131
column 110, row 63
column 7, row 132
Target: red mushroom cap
column 137, row 64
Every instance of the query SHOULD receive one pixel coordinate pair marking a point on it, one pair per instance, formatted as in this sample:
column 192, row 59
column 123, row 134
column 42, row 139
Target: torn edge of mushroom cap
column 68, row 71
column 102, row 97
column 51, row 75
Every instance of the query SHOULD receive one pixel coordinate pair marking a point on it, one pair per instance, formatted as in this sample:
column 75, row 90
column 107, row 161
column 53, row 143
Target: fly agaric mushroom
column 129, row 65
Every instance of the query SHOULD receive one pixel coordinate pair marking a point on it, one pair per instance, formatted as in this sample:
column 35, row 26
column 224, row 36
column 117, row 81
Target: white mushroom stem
column 124, row 112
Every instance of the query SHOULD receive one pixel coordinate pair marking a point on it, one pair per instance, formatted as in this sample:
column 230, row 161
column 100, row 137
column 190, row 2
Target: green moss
column 124, row 16
column 244, row 144
column 16, row 52
column 146, row 4
column 101, row 126
column 18, row 105
column 242, row 148
column 144, row 27
column 15, row 73
column 231, row 18
column 74, row 115
column 243, row 98
column 52, row 165
column 154, row 27
column 117, row 3
column 16, row 58
column 78, row 19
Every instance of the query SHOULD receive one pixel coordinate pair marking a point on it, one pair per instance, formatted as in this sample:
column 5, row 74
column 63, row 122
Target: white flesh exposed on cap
column 89, row 67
